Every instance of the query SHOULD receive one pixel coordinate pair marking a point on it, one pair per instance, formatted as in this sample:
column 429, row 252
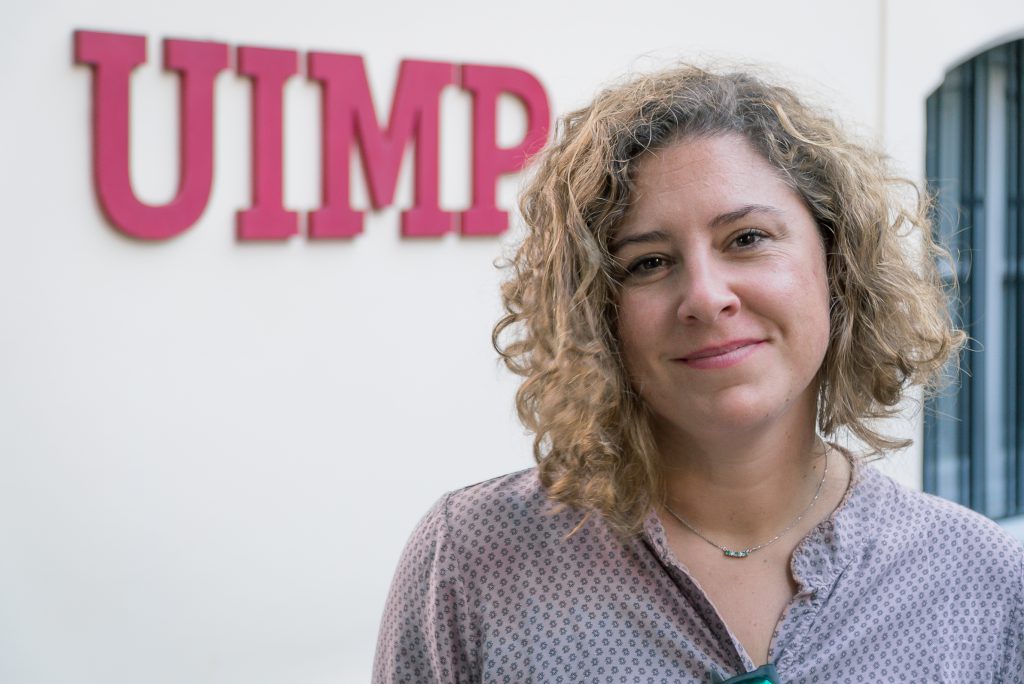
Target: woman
column 714, row 276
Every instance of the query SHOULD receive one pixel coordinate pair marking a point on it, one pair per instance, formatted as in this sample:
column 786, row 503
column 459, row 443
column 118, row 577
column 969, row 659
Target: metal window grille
column 974, row 432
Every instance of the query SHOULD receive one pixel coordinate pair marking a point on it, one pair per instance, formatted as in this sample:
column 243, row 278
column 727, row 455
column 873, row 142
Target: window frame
column 974, row 431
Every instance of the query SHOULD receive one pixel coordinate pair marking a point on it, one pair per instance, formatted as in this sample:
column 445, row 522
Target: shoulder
column 967, row 565
column 506, row 531
column 954, row 541
column 505, row 513
column 910, row 514
column 508, row 510
column 514, row 492
column 430, row 629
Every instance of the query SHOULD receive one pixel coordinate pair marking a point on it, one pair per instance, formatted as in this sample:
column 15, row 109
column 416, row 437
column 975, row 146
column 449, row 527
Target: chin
column 731, row 423
column 733, row 414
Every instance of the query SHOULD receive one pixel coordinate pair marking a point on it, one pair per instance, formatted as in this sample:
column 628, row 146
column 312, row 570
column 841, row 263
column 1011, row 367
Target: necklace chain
column 743, row 553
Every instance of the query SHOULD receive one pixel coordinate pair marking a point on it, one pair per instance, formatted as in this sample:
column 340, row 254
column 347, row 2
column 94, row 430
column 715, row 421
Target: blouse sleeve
column 427, row 635
column 1013, row 671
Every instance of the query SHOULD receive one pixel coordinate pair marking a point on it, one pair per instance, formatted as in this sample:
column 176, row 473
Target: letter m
column 349, row 114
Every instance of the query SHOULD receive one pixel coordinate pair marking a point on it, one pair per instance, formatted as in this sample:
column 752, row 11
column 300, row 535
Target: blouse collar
column 820, row 558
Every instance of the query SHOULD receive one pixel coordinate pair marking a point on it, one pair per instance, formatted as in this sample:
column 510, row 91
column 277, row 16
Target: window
column 974, row 439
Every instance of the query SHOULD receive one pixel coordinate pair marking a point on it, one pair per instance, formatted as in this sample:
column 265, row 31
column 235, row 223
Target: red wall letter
column 269, row 69
column 490, row 161
column 113, row 57
column 348, row 113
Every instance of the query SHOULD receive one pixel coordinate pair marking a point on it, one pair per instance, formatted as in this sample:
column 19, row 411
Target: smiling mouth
column 721, row 356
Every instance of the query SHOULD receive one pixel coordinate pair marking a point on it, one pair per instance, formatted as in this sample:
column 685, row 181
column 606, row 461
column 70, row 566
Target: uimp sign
column 348, row 118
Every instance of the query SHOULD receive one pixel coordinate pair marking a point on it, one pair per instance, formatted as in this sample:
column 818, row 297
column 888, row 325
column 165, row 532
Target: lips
column 721, row 355
column 719, row 350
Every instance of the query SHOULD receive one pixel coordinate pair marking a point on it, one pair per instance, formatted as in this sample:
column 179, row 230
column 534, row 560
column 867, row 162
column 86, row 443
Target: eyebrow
column 718, row 221
column 730, row 216
column 639, row 239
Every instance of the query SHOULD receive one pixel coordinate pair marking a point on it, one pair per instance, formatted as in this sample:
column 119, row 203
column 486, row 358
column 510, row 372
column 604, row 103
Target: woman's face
column 724, row 309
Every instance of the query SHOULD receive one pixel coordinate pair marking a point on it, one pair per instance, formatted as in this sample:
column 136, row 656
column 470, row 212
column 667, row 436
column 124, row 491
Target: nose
column 707, row 292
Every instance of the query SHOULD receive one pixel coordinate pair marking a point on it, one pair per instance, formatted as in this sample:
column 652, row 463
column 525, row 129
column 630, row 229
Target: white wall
column 211, row 453
column 923, row 40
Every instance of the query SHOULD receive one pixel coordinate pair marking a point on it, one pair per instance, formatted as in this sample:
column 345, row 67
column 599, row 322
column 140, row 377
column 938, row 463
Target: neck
column 742, row 489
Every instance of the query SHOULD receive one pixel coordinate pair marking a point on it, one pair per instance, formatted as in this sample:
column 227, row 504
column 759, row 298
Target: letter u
column 113, row 57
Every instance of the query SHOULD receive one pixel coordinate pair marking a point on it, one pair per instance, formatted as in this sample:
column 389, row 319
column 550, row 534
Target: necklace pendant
column 735, row 554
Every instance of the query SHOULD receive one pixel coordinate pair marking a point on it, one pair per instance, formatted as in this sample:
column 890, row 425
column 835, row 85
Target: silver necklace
column 743, row 553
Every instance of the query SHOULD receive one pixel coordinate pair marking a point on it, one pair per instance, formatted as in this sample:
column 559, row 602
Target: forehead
column 696, row 179
column 709, row 160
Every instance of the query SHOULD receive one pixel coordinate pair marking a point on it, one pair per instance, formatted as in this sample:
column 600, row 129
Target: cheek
column 635, row 331
column 816, row 311
column 802, row 290
column 626, row 334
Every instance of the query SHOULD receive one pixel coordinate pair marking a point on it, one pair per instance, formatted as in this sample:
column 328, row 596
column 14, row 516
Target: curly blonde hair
column 890, row 325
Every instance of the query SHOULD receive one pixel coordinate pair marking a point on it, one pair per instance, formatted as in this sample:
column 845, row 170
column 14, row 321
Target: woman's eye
column 748, row 238
column 646, row 265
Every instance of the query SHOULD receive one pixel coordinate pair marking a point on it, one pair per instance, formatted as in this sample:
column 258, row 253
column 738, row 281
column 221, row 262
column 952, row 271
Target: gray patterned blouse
column 896, row 586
